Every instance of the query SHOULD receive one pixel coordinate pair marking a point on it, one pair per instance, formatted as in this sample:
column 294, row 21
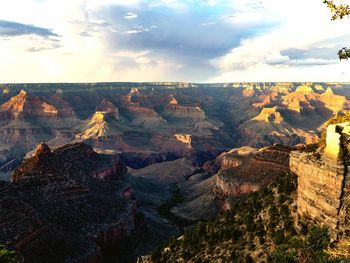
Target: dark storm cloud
column 10, row 29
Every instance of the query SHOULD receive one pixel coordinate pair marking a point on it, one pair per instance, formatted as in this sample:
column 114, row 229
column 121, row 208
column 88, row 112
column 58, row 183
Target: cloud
column 187, row 34
column 171, row 40
column 131, row 16
column 44, row 46
column 10, row 29
column 85, row 34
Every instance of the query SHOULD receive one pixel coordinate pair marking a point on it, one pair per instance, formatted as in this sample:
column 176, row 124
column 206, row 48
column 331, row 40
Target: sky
column 170, row 40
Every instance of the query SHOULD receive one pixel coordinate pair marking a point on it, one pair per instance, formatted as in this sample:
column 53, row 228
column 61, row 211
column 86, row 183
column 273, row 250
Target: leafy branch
column 339, row 12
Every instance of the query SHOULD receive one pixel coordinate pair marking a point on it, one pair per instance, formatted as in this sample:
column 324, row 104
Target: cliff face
column 323, row 182
column 186, row 114
column 320, row 189
column 247, row 170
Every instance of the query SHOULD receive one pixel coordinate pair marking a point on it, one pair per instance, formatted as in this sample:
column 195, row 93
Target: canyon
column 145, row 121
column 96, row 166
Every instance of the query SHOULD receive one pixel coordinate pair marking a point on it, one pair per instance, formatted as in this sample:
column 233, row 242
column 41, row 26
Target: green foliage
column 283, row 254
column 262, row 221
column 239, row 229
column 176, row 198
column 308, row 249
column 344, row 53
column 339, row 12
column 8, row 256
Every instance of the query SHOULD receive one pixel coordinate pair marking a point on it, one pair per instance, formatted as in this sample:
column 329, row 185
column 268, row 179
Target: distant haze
column 169, row 40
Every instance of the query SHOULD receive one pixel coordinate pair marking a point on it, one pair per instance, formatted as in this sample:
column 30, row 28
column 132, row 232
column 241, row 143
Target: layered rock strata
column 68, row 205
column 323, row 182
column 245, row 171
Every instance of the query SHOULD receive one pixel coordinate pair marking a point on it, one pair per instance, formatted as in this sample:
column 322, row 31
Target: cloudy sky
column 170, row 40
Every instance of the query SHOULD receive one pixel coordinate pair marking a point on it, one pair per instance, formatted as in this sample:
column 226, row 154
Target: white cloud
column 131, row 16
column 297, row 24
column 305, row 24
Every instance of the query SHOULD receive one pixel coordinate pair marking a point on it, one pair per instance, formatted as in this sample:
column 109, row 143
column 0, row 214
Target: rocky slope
column 259, row 228
column 245, row 171
column 323, row 188
column 270, row 127
column 70, row 205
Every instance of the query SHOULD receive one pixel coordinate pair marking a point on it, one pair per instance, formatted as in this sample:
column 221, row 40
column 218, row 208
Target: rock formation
column 305, row 99
column 107, row 106
column 69, row 203
column 139, row 110
column 247, row 170
column 184, row 114
column 323, row 183
column 269, row 127
column 101, row 124
column 184, row 138
column 24, row 106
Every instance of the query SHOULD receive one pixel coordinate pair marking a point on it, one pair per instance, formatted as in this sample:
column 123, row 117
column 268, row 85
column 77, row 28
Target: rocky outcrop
column 101, row 124
column 184, row 138
column 70, row 195
column 25, row 106
column 107, row 106
column 323, row 182
column 187, row 114
column 26, row 120
column 248, row 92
column 270, row 127
column 65, row 111
column 320, row 186
column 247, row 170
column 145, row 117
column 269, row 115
column 234, row 188
column 304, row 99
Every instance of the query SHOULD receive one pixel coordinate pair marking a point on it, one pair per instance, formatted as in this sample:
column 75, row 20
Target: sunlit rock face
column 306, row 99
column 25, row 106
column 270, row 115
column 98, row 126
column 27, row 120
column 248, row 92
column 333, row 149
column 184, row 138
column 323, row 185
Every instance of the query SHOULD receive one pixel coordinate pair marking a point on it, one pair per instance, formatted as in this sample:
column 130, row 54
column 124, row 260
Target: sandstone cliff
column 323, row 185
